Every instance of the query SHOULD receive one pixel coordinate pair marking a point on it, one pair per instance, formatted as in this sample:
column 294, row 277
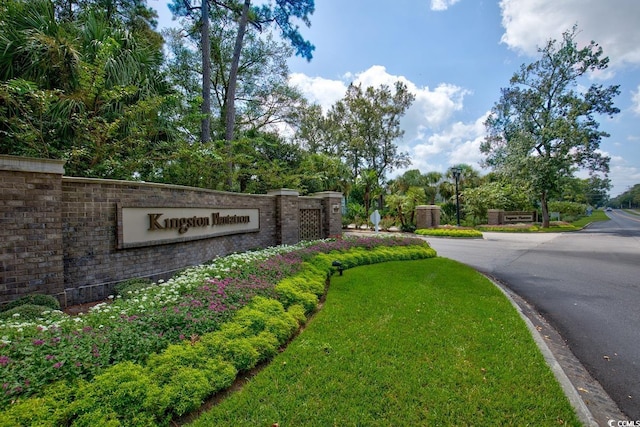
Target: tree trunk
column 205, row 126
column 230, row 109
column 545, row 210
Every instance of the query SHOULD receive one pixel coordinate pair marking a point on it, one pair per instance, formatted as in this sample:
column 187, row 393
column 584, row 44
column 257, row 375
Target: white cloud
column 612, row 24
column 460, row 143
column 635, row 99
column 440, row 5
column 430, row 110
column 623, row 174
column 432, row 141
column 318, row 90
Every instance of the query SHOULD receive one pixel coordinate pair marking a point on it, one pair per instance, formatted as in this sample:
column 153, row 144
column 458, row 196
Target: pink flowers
column 4, row 361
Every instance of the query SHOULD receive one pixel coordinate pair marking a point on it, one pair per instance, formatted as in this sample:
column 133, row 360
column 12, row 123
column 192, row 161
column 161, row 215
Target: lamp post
column 456, row 171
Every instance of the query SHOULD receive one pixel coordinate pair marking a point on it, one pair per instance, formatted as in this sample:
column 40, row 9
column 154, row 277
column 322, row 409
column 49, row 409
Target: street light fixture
column 456, row 171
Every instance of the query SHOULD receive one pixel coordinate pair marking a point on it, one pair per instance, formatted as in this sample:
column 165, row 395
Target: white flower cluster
column 160, row 294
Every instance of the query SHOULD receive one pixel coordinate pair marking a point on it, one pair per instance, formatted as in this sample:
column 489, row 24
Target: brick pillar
column 331, row 213
column 287, row 216
column 31, row 246
column 495, row 217
column 435, row 215
column 427, row 216
column 423, row 217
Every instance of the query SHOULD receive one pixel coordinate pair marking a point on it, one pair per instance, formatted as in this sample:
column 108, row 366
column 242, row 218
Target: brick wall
column 92, row 264
column 59, row 234
column 31, row 243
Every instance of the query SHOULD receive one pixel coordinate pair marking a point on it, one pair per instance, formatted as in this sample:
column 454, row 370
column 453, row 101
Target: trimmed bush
column 26, row 312
column 126, row 390
column 449, row 232
column 240, row 352
column 187, row 390
column 48, row 301
column 297, row 311
column 52, row 409
column 289, row 295
column 266, row 344
column 163, row 366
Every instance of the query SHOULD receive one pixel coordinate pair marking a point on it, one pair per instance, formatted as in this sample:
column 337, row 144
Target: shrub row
column 171, row 383
column 177, row 380
column 449, row 232
column 528, row 228
column 29, row 306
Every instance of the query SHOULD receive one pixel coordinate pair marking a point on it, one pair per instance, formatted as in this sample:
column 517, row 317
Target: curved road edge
column 591, row 402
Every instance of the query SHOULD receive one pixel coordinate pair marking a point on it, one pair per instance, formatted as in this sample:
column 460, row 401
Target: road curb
column 593, row 410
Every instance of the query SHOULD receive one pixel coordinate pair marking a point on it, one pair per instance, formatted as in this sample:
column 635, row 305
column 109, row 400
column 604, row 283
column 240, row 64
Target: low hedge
column 449, row 232
column 178, row 379
column 554, row 226
column 48, row 301
column 26, row 311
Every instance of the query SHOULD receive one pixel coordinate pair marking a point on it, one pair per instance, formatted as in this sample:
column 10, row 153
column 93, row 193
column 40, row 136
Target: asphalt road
column 585, row 284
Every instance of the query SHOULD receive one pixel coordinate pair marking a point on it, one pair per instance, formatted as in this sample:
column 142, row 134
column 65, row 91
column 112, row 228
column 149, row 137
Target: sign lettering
column 153, row 226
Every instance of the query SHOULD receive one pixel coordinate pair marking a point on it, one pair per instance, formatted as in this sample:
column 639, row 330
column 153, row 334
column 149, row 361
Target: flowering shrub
column 187, row 309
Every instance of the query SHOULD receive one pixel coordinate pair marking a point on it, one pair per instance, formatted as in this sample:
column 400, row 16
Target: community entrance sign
column 155, row 226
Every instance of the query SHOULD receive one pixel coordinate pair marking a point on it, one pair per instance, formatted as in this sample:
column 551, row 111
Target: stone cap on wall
column 323, row 194
column 30, row 164
column 283, row 192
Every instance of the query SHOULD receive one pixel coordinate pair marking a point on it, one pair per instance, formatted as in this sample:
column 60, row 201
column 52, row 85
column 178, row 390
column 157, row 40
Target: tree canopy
column 544, row 127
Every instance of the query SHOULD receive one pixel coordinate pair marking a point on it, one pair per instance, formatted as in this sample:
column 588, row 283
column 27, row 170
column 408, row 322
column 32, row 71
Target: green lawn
column 409, row 343
column 597, row 215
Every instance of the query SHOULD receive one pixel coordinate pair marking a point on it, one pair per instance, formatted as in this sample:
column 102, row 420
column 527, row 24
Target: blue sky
column 455, row 55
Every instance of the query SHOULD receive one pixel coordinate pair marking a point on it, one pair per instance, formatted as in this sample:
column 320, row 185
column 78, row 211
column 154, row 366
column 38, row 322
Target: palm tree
column 35, row 47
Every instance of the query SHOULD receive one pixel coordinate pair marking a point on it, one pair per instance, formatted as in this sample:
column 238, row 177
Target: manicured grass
column 596, row 215
column 428, row 342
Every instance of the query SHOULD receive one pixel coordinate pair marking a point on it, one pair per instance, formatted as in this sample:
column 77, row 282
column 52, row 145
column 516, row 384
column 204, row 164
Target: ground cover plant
column 156, row 353
column 427, row 342
column 449, row 232
column 555, row 226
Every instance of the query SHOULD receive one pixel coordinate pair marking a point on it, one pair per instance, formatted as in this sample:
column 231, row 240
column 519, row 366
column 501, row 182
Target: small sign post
column 375, row 219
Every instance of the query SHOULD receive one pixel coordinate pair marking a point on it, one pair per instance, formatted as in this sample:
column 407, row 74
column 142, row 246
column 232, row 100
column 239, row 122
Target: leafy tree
column 85, row 90
column 266, row 162
column 592, row 191
column 321, row 172
column 244, row 15
column 239, row 64
column 404, row 205
column 495, row 195
column 313, row 129
column 629, row 199
column 431, row 189
column 365, row 126
column 543, row 129
column 411, row 178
